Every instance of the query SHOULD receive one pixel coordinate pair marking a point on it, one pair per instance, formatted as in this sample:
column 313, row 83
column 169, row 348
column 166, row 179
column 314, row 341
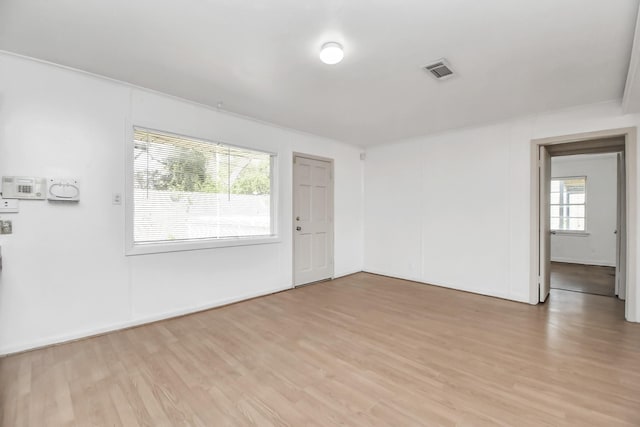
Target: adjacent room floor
column 590, row 279
column 361, row 350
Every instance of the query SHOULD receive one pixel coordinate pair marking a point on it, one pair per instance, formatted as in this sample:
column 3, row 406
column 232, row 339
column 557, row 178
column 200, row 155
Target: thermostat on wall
column 64, row 189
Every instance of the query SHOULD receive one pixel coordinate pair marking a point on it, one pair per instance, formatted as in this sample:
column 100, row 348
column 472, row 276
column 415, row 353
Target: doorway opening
column 585, row 220
column 559, row 211
column 312, row 219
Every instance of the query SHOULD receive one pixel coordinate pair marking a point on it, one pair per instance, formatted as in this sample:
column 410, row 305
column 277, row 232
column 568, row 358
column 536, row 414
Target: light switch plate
column 9, row 205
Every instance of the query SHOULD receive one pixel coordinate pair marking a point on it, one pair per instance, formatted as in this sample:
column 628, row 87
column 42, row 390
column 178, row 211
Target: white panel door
column 312, row 220
column 544, row 179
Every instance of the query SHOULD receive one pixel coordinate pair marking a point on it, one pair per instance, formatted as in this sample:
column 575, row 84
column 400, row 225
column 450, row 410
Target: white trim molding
column 591, row 138
column 631, row 96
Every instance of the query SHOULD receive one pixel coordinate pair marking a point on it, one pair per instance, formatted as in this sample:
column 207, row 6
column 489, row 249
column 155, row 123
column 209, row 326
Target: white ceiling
column 260, row 58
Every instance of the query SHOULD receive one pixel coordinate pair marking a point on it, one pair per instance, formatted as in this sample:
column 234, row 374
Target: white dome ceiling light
column 331, row 53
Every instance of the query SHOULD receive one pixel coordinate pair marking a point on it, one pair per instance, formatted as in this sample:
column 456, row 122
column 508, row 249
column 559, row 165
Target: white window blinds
column 187, row 189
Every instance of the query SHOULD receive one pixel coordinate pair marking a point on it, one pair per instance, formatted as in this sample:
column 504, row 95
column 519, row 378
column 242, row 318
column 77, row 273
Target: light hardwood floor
column 362, row 350
column 591, row 279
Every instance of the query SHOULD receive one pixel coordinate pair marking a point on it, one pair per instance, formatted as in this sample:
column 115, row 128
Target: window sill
column 570, row 233
column 179, row 246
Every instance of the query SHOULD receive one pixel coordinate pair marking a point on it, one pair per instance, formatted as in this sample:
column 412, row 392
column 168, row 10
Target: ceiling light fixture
column 331, row 53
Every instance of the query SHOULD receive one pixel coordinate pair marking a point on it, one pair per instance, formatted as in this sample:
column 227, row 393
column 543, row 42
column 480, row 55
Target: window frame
column 133, row 248
column 572, row 232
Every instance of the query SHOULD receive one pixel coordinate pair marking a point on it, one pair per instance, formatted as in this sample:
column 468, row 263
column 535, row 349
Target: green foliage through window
column 187, row 189
column 168, row 163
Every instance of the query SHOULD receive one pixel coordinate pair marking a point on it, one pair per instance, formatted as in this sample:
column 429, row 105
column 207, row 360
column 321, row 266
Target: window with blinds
column 568, row 203
column 186, row 189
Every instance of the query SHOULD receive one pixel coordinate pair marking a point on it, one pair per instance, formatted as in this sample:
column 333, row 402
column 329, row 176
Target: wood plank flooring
column 591, row 279
column 363, row 350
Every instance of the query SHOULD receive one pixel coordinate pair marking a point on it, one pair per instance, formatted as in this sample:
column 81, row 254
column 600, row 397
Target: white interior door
column 621, row 231
column 312, row 220
column 544, row 179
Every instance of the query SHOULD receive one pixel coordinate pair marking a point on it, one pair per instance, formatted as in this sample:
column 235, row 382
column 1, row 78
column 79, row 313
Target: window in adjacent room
column 187, row 190
column 568, row 203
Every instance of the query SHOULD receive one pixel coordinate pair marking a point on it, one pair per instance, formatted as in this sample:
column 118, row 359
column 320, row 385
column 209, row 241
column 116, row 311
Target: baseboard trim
column 345, row 274
column 514, row 298
column 94, row 332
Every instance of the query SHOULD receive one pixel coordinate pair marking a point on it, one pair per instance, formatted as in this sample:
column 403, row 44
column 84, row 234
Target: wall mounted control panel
column 24, row 187
column 64, row 189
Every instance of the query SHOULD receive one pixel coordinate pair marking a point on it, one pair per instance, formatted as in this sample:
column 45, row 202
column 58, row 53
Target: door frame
column 630, row 146
column 544, row 224
column 621, row 227
column 293, row 213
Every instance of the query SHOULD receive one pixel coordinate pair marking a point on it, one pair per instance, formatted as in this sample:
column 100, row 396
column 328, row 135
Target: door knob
column 299, row 228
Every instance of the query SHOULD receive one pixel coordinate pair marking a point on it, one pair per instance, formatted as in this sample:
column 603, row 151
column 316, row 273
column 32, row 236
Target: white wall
column 450, row 209
column 453, row 209
column 598, row 245
column 65, row 273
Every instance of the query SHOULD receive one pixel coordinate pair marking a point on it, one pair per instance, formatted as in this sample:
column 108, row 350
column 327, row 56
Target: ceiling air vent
column 439, row 69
